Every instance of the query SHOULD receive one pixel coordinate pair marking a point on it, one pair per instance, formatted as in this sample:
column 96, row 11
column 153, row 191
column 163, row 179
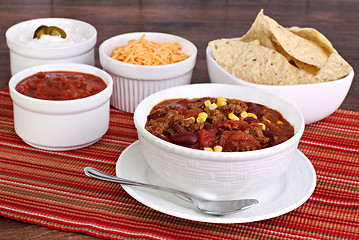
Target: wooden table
column 198, row 21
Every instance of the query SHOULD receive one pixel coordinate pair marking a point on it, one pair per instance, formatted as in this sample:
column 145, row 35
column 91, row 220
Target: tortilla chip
column 271, row 54
column 306, row 67
column 223, row 54
column 313, row 35
column 257, row 64
column 335, row 68
column 299, row 48
column 255, row 42
column 259, row 31
column 280, row 50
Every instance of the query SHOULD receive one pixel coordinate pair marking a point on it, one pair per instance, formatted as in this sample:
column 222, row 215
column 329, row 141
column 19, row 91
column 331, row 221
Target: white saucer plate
column 287, row 193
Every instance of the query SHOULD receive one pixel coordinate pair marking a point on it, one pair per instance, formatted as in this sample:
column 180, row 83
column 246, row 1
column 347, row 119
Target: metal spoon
column 206, row 206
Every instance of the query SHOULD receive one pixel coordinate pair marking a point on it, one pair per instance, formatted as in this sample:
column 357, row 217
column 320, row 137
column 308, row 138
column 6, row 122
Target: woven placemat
column 50, row 189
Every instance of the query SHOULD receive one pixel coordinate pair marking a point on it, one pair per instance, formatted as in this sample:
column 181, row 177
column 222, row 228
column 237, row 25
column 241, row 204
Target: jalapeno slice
column 39, row 31
column 55, row 31
column 52, row 31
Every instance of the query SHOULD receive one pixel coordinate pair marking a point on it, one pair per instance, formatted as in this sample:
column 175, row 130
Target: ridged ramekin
column 132, row 83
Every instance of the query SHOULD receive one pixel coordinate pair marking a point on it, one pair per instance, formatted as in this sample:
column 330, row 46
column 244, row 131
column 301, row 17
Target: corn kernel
column 233, row 117
column 218, row 148
column 203, row 114
column 263, row 126
column 201, row 119
column 267, row 120
column 279, row 122
column 252, row 115
column 221, row 101
column 246, row 130
column 191, row 118
column 208, row 149
column 244, row 114
column 212, row 106
column 207, row 103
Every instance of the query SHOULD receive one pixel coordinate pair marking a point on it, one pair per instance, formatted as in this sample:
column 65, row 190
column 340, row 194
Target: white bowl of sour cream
column 26, row 51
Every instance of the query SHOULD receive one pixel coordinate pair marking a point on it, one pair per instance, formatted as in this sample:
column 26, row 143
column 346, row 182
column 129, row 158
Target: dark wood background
column 200, row 21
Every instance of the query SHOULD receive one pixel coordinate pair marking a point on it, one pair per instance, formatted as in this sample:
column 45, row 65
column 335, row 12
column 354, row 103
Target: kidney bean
column 178, row 127
column 185, row 138
column 157, row 114
column 254, row 108
column 250, row 119
column 269, row 134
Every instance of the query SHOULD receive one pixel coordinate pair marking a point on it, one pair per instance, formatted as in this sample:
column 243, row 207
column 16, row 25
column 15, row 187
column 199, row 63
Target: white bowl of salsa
column 61, row 106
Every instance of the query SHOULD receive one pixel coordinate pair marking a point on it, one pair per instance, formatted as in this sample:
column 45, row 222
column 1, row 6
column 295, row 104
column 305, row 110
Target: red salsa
column 218, row 124
column 60, row 85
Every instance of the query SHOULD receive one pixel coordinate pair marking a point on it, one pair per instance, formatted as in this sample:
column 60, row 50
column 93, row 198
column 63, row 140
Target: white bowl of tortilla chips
column 298, row 64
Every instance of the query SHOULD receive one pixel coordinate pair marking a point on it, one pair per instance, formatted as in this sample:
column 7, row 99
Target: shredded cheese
column 144, row 52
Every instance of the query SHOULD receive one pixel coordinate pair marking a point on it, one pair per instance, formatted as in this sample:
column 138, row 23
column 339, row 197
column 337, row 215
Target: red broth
column 61, row 85
column 254, row 127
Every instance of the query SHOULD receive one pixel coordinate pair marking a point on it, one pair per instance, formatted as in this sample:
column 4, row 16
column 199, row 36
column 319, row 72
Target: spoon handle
column 95, row 173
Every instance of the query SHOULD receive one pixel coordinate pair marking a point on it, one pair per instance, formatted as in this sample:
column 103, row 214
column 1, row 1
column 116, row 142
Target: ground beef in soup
column 218, row 124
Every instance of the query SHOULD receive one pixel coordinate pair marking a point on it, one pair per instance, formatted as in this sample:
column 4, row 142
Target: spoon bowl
column 218, row 208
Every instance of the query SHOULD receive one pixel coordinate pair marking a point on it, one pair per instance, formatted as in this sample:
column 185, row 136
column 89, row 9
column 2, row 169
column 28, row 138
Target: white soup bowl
column 217, row 175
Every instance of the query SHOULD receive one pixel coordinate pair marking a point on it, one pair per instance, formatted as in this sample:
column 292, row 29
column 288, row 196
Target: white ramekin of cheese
column 26, row 51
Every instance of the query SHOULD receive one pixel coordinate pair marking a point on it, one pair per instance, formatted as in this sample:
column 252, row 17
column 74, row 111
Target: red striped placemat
column 50, row 189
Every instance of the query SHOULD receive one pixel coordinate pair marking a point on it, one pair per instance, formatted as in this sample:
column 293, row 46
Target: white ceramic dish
column 287, row 193
column 61, row 125
column 78, row 47
column 132, row 83
column 217, row 175
column 315, row 101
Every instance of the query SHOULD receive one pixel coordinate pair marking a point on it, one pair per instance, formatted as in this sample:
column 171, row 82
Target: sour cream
column 25, row 51
column 75, row 35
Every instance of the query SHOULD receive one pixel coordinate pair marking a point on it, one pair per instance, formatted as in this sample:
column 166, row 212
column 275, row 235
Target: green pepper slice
column 55, row 31
column 39, row 31
column 52, row 31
